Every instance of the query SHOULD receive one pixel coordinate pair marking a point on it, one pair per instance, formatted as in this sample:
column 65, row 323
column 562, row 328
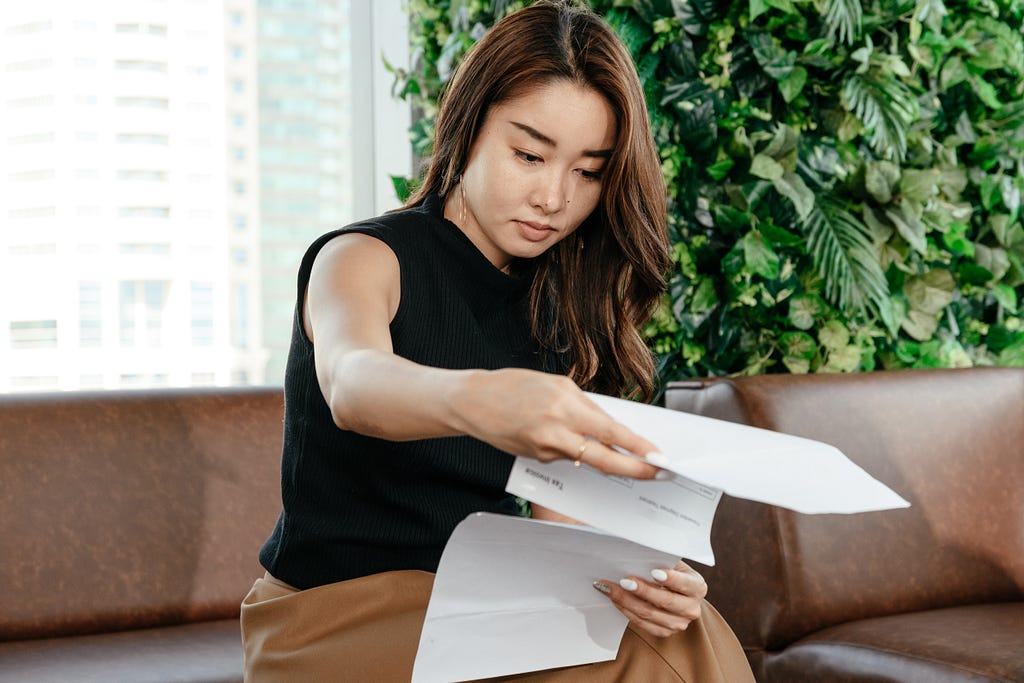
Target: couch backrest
column 128, row 509
column 949, row 441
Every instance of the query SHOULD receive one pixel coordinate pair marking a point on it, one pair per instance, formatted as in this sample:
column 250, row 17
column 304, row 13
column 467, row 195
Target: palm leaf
column 840, row 246
column 844, row 19
column 885, row 107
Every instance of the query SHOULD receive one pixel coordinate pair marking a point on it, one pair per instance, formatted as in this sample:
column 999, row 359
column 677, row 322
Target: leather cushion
column 953, row 645
column 208, row 651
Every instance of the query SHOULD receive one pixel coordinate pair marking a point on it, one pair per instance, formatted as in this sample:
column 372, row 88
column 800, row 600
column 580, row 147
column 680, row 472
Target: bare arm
column 353, row 294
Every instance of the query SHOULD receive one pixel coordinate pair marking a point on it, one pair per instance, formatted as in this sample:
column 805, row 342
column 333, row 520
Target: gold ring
column 579, row 454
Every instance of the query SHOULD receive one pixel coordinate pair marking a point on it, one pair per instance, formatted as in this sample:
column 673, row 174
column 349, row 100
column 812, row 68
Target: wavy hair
column 593, row 291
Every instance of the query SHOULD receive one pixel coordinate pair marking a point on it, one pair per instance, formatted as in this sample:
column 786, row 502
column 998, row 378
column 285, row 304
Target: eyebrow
column 540, row 137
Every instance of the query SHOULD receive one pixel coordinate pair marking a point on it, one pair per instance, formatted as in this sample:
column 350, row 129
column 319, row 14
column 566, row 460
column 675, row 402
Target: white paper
column 758, row 464
column 513, row 595
column 672, row 516
column 709, row 456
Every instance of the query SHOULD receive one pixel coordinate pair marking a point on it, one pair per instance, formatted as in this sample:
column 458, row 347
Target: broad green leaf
column 1012, row 355
column 931, row 292
column 803, row 309
column 985, row 91
column 759, row 256
column 833, row 335
column 763, row 166
column 704, row 296
column 776, row 236
column 919, row 185
column 910, row 228
column 798, row 349
column 921, row 326
column 973, row 274
column 880, row 177
column 953, row 72
column 1008, row 233
column 1006, row 297
column 956, row 240
column 793, row 188
column 791, row 86
column 757, row 8
column 844, row 359
column 721, row 169
column 993, row 259
column 784, row 143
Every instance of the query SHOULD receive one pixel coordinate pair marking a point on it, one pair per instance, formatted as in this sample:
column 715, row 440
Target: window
column 140, row 312
column 90, row 315
column 33, row 334
column 202, row 314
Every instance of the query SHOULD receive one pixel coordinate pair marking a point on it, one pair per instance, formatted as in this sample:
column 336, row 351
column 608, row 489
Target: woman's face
column 534, row 173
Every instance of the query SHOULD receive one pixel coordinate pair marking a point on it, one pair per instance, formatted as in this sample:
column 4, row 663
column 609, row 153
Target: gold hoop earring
column 462, row 209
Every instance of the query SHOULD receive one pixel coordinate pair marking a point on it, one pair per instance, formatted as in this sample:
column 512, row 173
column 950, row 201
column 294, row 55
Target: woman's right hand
column 546, row 417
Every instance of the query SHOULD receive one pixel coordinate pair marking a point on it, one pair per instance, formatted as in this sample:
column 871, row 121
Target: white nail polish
column 629, row 584
column 603, row 587
column 659, row 575
column 656, row 458
column 664, row 475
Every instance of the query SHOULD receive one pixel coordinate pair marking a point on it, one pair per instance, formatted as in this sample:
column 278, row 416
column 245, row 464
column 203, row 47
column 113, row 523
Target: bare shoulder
column 352, row 273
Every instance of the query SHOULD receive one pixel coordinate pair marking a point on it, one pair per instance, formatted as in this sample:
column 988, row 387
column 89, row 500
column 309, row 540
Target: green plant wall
column 845, row 178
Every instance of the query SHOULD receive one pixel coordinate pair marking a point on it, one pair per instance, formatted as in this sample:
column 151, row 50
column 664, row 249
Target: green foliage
column 844, row 178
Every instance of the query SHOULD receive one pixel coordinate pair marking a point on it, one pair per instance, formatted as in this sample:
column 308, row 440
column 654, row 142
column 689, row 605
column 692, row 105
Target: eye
column 591, row 175
column 527, row 157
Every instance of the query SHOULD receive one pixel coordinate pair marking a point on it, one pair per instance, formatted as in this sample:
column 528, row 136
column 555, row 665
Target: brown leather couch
column 129, row 528
column 933, row 593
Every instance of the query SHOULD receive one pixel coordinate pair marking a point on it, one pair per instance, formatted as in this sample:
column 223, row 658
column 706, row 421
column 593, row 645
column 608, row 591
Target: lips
column 535, row 232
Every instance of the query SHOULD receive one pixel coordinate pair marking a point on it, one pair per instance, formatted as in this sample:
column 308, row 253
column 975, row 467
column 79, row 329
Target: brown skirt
column 368, row 629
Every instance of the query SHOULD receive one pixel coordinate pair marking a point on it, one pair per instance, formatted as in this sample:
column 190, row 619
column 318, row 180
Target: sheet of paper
column 709, row 456
column 514, row 595
column 758, row 464
column 672, row 516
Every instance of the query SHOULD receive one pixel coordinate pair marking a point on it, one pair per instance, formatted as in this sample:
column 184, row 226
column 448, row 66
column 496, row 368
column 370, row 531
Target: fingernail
column 659, row 575
column 664, row 475
column 603, row 587
column 629, row 584
column 656, row 458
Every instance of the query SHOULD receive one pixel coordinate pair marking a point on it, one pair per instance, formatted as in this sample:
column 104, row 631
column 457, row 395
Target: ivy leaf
column 845, row 359
column 759, row 256
column 721, row 169
column 956, row 240
column 757, row 8
column 798, row 349
column 880, row 177
column 763, row 166
column 833, row 335
column 909, row 226
column 777, row 236
column 919, row 185
column 793, row 188
column 993, row 259
column 803, row 309
column 1006, row 297
column 1008, row 234
column 931, row 292
column 791, row 86
column 919, row 325
column 776, row 62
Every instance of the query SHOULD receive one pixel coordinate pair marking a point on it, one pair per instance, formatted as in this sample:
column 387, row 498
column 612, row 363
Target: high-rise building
column 163, row 165
column 305, row 138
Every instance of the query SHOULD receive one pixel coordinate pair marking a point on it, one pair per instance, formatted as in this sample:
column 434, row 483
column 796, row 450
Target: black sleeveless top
column 354, row 505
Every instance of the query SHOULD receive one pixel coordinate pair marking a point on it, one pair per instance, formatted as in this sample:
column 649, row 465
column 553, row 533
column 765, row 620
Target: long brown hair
column 593, row 290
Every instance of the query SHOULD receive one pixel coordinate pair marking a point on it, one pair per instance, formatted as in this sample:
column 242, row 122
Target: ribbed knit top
column 355, row 505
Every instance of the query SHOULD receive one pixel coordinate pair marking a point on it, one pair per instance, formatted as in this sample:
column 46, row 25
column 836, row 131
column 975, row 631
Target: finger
column 672, row 604
column 676, row 619
column 681, row 579
column 608, row 460
column 606, row 429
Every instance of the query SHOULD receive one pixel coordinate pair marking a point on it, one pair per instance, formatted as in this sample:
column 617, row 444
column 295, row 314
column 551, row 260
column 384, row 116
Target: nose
column 550, row 193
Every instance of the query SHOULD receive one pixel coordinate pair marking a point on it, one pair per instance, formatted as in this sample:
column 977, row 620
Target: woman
column 432, row 342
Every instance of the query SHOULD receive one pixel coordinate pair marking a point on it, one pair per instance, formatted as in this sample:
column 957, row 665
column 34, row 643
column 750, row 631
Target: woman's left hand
column 664, row 604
